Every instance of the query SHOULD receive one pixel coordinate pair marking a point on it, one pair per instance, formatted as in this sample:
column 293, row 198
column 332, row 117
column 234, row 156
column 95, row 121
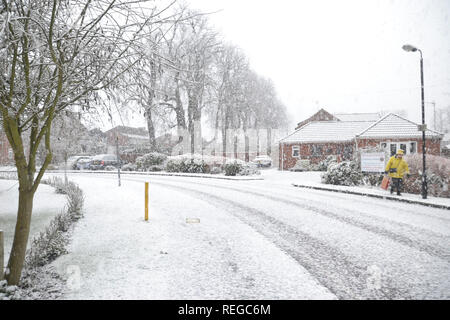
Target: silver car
column 263, row 161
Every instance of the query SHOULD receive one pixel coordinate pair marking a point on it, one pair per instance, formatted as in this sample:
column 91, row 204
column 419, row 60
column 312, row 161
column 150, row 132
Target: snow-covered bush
column 57, row 183
column 232, row 169
column 71, row 189
column 372, row 179
column 438, row 175
column 216, row 170
column 129, row 167
column 149, row 160
column 240, row 169
column 345, row 173
column 37, row 277
column 187, row 165
column 197, row 163
column 51, row 243
column 8, row 292
column 75, row 201
column 324, row 164
column 249, row 170
column 156, row 168
column 8, row 175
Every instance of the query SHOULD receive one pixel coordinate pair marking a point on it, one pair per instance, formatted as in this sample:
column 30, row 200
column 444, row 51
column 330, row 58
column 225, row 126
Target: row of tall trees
column 154, row 57
column 54, row 55
column 188, row 76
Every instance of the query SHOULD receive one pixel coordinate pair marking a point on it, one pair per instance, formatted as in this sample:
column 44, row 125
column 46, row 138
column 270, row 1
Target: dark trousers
column 396, row 185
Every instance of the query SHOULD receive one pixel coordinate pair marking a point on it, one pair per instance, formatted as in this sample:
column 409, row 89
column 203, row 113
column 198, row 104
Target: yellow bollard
column 146, row 201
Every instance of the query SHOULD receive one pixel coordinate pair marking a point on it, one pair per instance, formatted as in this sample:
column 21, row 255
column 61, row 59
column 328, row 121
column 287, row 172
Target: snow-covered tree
column 55, row 55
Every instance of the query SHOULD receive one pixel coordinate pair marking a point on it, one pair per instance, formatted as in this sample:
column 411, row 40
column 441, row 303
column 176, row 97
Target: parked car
column 83, row 163
column 101, row 161
column 263, row 161
column 73, row 160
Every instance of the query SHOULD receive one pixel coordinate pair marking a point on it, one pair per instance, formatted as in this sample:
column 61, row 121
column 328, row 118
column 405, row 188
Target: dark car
column 101, row 161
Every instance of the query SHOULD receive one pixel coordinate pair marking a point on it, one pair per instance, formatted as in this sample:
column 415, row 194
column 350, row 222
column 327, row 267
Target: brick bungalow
column 316, row 140
column 128, row 136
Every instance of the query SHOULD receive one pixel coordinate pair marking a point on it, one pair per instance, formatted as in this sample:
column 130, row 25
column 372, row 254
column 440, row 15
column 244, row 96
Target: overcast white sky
column 344, row 56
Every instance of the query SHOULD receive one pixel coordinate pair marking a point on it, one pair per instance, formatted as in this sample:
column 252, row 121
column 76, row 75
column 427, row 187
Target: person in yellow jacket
column 397, row 168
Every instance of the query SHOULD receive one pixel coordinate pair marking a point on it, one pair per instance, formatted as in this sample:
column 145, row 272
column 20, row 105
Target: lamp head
column 409, row 48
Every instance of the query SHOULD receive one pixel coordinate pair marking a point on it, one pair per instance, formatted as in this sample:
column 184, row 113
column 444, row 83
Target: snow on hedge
column 207, row 159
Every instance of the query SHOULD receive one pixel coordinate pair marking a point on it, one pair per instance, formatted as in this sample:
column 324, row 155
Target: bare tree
column 53, row 55
column 195, row 61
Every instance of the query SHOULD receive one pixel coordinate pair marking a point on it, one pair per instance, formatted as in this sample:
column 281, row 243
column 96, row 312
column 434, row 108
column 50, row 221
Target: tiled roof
column 327, row 131
column 394, row 126
column 358, row 116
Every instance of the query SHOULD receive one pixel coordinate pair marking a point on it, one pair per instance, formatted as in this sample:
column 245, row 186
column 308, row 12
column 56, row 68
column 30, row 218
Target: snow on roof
column 327, row 131
column 395, row 126
column 357, row 116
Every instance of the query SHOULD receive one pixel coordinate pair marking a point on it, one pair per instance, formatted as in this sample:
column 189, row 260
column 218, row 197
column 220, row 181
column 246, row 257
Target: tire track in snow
column 439, row 252
column 343, row 276
column 317, row 207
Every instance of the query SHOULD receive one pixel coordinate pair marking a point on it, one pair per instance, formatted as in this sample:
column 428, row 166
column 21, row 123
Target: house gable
column 321, row 115
column 395, row 126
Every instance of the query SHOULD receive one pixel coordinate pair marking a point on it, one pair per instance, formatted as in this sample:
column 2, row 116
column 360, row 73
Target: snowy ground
column 256, row 240
column 45, row 206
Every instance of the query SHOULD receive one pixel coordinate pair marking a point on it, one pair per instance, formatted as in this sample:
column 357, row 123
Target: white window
column 296, row 151
column 407, row 146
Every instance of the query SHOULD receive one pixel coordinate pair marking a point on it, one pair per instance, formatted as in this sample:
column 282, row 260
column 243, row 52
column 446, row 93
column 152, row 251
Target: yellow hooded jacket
column 399, row 164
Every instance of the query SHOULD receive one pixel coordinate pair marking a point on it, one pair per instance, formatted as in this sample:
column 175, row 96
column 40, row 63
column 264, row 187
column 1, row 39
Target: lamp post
column 410, row 48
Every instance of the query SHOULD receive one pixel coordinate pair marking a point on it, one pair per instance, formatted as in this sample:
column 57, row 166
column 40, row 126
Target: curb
column 433, row 205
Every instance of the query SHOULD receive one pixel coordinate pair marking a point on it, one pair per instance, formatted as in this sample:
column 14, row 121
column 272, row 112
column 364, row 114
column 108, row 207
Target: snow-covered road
column 255, row 240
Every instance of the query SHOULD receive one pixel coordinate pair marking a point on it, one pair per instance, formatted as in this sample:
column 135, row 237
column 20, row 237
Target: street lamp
column 410, row 48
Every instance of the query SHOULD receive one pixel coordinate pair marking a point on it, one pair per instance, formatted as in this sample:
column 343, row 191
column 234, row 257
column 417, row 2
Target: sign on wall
column 373, row 162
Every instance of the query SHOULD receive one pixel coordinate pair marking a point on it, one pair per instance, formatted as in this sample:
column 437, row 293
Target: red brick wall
column 306, row 152
column 433, row 146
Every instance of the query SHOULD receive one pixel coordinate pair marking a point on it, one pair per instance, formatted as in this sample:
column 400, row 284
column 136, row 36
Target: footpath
column 435, row 202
